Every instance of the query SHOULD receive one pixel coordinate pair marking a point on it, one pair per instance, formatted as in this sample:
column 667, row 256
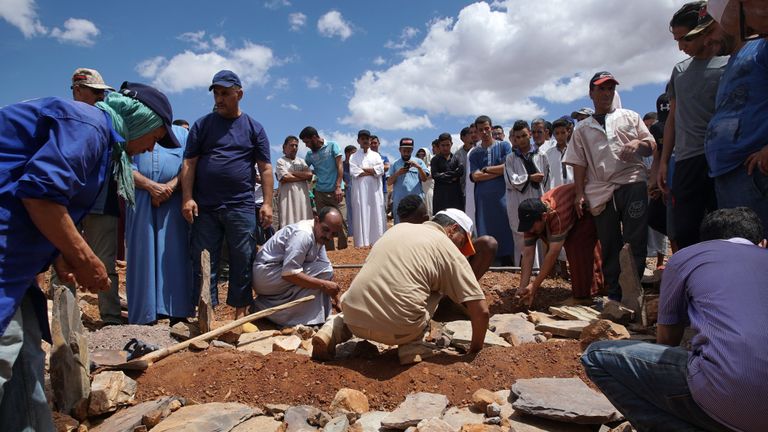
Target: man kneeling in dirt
column 407, row 272
column 293, row 264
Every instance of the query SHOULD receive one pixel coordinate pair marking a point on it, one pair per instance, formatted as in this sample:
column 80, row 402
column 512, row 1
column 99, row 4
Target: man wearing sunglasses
column 737, row 136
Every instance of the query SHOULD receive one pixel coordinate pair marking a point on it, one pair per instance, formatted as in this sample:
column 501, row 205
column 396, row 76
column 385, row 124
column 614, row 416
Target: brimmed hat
column 529, row 212
column 158, row 103
column 583, row 111
column 465, row 223
column 406, row 142
column 89, row 78
column 363, row 132
column 705, row 20
column 600, row 78
column 225, row 78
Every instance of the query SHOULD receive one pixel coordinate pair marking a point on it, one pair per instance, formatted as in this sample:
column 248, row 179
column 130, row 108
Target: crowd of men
column 84, row 177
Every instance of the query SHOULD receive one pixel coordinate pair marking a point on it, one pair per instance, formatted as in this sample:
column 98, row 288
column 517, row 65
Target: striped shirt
column 721, row 288
column 562, row 216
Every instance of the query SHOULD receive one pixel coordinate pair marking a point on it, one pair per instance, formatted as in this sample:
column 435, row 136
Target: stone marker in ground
column 602, row 330
column 462, row 335
column 215, row 416
column 349, row 401
column 515, row 328
column 616, row 312
column 258, row 424
column 128, row 419
column 286, row 344
column 205, row 305
column 457, row 417
column 563, row 399
column 567, row 329
column 434, row 424
column 260, row 341
column 110, row 390
column 70, row 362
column 337, row 424
column 631, row 289
column 417, row 407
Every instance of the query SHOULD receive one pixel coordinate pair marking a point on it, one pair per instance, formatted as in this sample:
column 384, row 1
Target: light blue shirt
column 323, row 164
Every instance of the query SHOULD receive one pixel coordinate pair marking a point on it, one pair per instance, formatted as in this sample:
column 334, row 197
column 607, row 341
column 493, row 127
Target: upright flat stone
column 70, row 362
column 567, row 329
column 110, row 390
column 458, row 417
column 417, row 407
column 258, row 424
column 130, row 418
column 515, row 328
column 631, row 289
column 563, row 399
column 462, row 335
column 216, row 416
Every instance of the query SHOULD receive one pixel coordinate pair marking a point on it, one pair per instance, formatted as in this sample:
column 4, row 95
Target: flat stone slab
column 458, row 417
column 462, row 335
column 567, row 329
column 563, row 399
column 526, row 423
column 260, row 341
column 371, row 421
column 258, row 424
column 297, row 418
column 434, row 425
column 417, row 407
column 216, row 416
column 128, row 419
column 515, row 327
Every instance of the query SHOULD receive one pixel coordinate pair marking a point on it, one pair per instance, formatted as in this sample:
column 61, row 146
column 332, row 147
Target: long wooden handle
column 157, row 355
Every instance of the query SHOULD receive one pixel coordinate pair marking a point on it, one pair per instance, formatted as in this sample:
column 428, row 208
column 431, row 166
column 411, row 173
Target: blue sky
column 399, row 68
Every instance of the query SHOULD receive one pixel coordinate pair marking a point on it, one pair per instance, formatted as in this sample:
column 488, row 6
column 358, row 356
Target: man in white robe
column 366, row 168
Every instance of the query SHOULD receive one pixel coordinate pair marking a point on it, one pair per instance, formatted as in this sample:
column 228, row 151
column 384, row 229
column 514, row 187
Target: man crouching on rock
column 397, row 291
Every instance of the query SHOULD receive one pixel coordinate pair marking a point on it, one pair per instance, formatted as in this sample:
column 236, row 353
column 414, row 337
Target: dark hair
column 288, row 139
column 180, row 122
column 435, row 142
column 650, row 116
column 325, row 211
column 733, row 222
column 376, row 137
column 483, row 119
column 408, row 206
column 464, row 132
column 560, row 123
column 308, row 132
column 445, row 221
column 498, row 127
column 687, row 16
column 520, row 125
column 548, row 125
column 350, row 149
column 445, row 136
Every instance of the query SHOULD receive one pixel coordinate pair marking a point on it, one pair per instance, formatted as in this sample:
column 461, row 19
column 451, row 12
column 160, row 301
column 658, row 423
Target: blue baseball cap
column 155, row 100
column 225, row 78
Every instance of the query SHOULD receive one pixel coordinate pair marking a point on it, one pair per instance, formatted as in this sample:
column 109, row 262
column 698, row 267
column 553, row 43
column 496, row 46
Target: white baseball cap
column 465, row 223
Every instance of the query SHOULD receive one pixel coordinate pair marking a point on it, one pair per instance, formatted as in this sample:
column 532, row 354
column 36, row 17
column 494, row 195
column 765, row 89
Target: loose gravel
column 116, row 336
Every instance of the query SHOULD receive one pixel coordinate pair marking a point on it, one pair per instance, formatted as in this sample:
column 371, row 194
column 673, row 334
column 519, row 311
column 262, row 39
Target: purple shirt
column 721, row 288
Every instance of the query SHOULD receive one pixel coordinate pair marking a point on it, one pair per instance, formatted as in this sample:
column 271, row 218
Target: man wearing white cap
column 408, row 271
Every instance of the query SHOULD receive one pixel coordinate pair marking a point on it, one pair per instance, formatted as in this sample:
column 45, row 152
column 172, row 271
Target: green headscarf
column 131, row 119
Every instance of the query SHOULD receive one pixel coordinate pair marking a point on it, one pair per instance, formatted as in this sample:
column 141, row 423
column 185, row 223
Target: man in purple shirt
column 719, row 288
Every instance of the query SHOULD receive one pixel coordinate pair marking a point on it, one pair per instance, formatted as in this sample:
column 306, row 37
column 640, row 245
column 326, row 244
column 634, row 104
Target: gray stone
column 273, row 409
column 434, row 425
column 260, row 341
column 221, row 344
column 631, row 289
column 359, row 348
column 462, row 335
column 110, row 390
column 370, row 421
column 128, row 419
column 286, row 344
column 493, row 410
column 416, row 352
column 526, row 423
column 616, row 312
column 567, row 329
column 70, row 362
column 215, row 416
column 458, row 417
column 563, row 399
column 205, row 305
column 575, row 313
column 337, row 424
column 297, row 418
column 417, row 407
column 496, row 420
column 514, row 328
column 258, row 424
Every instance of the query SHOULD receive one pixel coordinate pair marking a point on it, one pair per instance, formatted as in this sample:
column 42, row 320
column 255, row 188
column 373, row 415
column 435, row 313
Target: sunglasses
column 746, row 34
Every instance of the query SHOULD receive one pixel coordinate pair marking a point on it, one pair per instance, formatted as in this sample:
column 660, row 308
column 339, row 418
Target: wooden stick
column 145, row 361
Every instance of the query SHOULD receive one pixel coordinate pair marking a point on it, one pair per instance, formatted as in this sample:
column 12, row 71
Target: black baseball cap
column 406, row 142
column 225, row 78
column 530, row 211
column 363, row 132
column 155, row 100
column 600, row 78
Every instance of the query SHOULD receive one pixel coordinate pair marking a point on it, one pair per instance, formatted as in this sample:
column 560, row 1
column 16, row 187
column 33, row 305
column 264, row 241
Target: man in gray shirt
column 692, row 90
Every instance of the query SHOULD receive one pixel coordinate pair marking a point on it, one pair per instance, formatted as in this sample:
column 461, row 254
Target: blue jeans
column 23, row 406
column 648, row 384
column 737, row 189
column 208, row 232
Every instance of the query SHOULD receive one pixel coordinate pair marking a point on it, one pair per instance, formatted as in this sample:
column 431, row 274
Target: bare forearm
column 267, row 182
column 54, row 223
column 579, row 176
column 141, row 181
column 304, row 280
column 495, row 169
column 547, row 265
column 478, row 316
column 669, row 138
column 479, row 176
column 526, row 267
column 669, row 334
column 173, row 183
column 188, row 169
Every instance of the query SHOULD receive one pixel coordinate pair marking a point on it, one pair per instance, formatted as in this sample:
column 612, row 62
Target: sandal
column 137, row 348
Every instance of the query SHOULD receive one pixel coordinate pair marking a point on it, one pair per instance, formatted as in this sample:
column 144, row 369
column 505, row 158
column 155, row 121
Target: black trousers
column 624, row 220
column 693, row 196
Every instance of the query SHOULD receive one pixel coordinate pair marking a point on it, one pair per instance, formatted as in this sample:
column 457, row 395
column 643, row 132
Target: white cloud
column 276, row 4
column 461, row 69
column 333, row 24
column 378, row 61
column 23, row 15
column 312, row 82
column 189, row 69
column 77, row 31
column 281, row 84
column 406, row 35
column 291, row 106
column 197, row 39
column 220, row 42
column 297, row 21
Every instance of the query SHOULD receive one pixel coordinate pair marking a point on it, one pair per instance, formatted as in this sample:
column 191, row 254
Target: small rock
column 495, row 420
column 493, row 410
column 305, row 332
column 320, row 419
column 417, row 407
column 199, row 345
column 221, row 344
column 174, row 405
column 230, row 336
column 462, row 335
column 624, row 427
column 434, row 425
column 348, row 400
column 337, row 424
column 567, row 329
column 481, row 398
column 152, row 418
column 616, row 312
column 64, row 423
column 297, row 418
column 602, row 330
column 273, row 409
column 110, row 390
column 289, row 344
column 260, row 342
column 457, row 417
column 182, row 331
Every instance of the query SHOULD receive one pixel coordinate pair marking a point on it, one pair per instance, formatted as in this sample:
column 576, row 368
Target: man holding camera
column 405, row 175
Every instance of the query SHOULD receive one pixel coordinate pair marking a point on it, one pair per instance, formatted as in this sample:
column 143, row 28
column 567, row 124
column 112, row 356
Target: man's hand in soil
column 526, row 295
